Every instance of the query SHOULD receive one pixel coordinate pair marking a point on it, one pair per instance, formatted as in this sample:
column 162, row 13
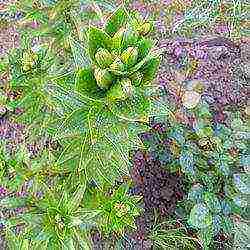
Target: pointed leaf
column 116, row 21
column 76, row 199
column 242, row 182
column 144, row 47
column 97, row 39
column 79, row 52
column 150, row 69
column 200, row 216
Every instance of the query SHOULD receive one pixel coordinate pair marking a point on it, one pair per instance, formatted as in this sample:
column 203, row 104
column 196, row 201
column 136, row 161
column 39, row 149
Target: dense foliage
column 122, row 127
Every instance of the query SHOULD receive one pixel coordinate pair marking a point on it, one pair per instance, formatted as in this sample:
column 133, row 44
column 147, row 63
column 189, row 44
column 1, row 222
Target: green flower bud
column 3, row 110
column 3, row 98
column 145, row 29
column 29, row 60
column 127, row 87
column 104, row 58
column 118, row 38
column 130, row 37
column 129, row 56
column 117, row 65
column 121, row 209
column 136, row 78
column 121, row 90
column 103, row 78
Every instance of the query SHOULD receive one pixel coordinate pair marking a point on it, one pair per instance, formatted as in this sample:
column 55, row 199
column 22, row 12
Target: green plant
column 93, row 99
column 55, row 220
column 211, row 158
column 96, row 112
column 219, row 189
column 167, row 235
column 117, row 211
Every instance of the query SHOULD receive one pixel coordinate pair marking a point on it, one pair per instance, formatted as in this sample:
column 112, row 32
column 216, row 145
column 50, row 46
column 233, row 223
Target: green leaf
column 242, row 182
column 206, row 236
column 227, row 225
column 150, row 69
column 79, row 52
column 97, row 39
column 22, row 155
column 216, row 224
column 196, row 193
column 76, row 199
column 223, row 168
column 86, row 83
column 187, row 162
column 241, row 236
column 240, row 200
column 200, row 216
column 116, row 21
column 144, row 46
column 25, row 244
column 212, row 202
column 68, row 244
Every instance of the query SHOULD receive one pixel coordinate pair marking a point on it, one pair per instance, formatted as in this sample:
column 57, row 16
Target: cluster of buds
column 122, row 57
column 3, row 102
column 29, row 60
column 121, row 209
column 113, row 67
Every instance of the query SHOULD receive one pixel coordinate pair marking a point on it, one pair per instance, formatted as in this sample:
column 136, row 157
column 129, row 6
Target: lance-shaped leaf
column 79, row 52
column 86, row 83
column 97, row 39
column 144, row 46
column 200, row 216
column 76, row 199
column 116, row 21
column 150, row 69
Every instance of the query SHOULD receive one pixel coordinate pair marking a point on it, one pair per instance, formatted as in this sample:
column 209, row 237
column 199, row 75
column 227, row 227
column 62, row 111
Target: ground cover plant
column 124, row 125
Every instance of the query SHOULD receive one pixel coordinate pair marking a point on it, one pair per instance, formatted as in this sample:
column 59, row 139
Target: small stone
column 195, row 85
column 246, row 69
column 247, row 110
column 191, row 99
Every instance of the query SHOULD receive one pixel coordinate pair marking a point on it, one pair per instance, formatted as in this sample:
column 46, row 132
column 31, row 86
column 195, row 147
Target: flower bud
column 118, row 38
column 136, row 78
column 120, row 91
column 103, row 58
column 117, row 65
column 130, row 37
column 3, row 98
column 127, row 87
column 129, row 56
column 29, row 60
column 145, row 29
column 103, row 78
column 121, row 209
